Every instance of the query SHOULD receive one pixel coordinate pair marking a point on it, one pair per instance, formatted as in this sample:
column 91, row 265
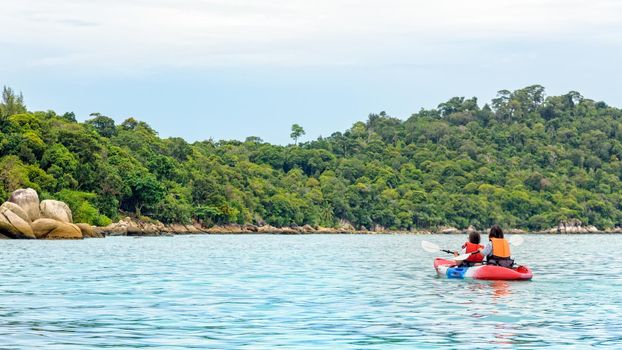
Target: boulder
column 378, row 228
column 572, row 226
column 321, row 229
column 250, row 228
column 217, row 229
column 14, row 226
column 233, row 228
column 7, row 230
column 288, row 231
column 267, row 229
column 134, row 231
column 99, row 232
column 17, row 210
column 65, row 231
column 448, row 230
column 56, row 210
column 28, row 200
column 53, row 229
column 345, row 225
column 514, row 231
column 115, row 229
column 42, row 227
column 592, row 229
column 178, row 228
column 192, row 229
column 88, row 232
column 152, row 230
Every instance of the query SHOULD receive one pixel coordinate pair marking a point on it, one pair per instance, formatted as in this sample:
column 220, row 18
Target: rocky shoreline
column 132, row 227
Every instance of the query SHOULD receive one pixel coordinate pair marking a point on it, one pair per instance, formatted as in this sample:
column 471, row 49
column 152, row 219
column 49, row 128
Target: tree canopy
column 525, row 160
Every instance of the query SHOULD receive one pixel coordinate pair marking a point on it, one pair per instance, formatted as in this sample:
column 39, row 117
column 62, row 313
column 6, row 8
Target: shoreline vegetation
column 24, row 216
column 525, row 160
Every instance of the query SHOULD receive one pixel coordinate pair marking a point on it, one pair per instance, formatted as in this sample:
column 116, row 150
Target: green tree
column 12, row 103
column 103, row 125
column 297, row 132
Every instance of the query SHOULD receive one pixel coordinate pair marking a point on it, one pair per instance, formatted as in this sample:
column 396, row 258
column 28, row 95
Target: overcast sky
column 229, row 69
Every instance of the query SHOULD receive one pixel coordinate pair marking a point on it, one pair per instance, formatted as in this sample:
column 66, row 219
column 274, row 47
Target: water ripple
column 308, row 292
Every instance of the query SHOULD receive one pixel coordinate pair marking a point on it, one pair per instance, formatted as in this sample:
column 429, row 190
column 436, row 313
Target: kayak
column 448, row 269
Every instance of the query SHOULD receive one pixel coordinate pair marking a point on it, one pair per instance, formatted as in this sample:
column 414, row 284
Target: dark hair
column 496, row 232
column 474, row 237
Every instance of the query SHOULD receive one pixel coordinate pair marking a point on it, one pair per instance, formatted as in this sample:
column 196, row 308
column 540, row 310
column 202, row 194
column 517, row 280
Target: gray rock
column 28, row 200
column 56, row 210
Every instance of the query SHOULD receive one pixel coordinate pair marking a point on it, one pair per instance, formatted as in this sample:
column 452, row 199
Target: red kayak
column 447, row 268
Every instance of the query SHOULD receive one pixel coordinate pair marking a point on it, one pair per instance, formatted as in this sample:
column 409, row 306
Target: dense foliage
column 525, row 160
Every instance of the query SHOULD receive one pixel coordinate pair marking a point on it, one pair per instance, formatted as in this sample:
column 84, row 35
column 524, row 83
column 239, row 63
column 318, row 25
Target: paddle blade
column 461, row 257
column 430, row 247
column 516, row 240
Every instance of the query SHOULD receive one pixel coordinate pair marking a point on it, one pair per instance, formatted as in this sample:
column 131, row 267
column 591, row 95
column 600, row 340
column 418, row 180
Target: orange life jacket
column 500, row 248
column 470, row 248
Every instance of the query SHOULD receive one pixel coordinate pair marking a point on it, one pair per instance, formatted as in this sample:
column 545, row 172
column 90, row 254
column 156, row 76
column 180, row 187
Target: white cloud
column 129, row 35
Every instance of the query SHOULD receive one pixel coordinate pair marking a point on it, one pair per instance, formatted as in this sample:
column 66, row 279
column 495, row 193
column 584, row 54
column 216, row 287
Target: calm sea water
column 302, row 292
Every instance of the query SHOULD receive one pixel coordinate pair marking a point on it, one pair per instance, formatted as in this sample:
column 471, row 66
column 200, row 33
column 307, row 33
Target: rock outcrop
column 23, row 216
column 572, row 226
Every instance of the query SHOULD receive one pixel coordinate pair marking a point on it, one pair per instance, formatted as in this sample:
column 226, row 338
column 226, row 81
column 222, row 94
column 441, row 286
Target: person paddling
column 497, row 251
column 472, row 246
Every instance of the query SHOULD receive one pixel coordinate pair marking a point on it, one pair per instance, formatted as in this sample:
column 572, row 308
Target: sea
column 319, row 291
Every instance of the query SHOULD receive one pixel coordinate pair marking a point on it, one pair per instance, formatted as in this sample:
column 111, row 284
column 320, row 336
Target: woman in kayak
column 497, row 251
column 472, row 246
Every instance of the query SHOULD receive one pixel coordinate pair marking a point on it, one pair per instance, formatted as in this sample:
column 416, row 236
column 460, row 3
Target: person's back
column 497, row 251
column 472, row 246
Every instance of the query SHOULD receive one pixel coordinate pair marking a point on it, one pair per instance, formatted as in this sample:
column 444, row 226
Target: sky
column 228, row 69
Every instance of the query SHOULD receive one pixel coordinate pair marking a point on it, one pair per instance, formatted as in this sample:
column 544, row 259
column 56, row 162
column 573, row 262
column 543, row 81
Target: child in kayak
column 472, row 246
column 497, row 251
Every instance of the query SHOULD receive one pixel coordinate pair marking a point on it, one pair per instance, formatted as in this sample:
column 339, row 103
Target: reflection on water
column 500, row 288
column 301, row 292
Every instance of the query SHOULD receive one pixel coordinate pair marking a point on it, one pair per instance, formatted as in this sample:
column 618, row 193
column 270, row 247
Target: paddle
column 433, row 248
column 515, row 240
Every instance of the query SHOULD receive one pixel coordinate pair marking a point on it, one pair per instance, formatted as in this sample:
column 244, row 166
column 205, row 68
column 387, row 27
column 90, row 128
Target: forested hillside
column 524, row 160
